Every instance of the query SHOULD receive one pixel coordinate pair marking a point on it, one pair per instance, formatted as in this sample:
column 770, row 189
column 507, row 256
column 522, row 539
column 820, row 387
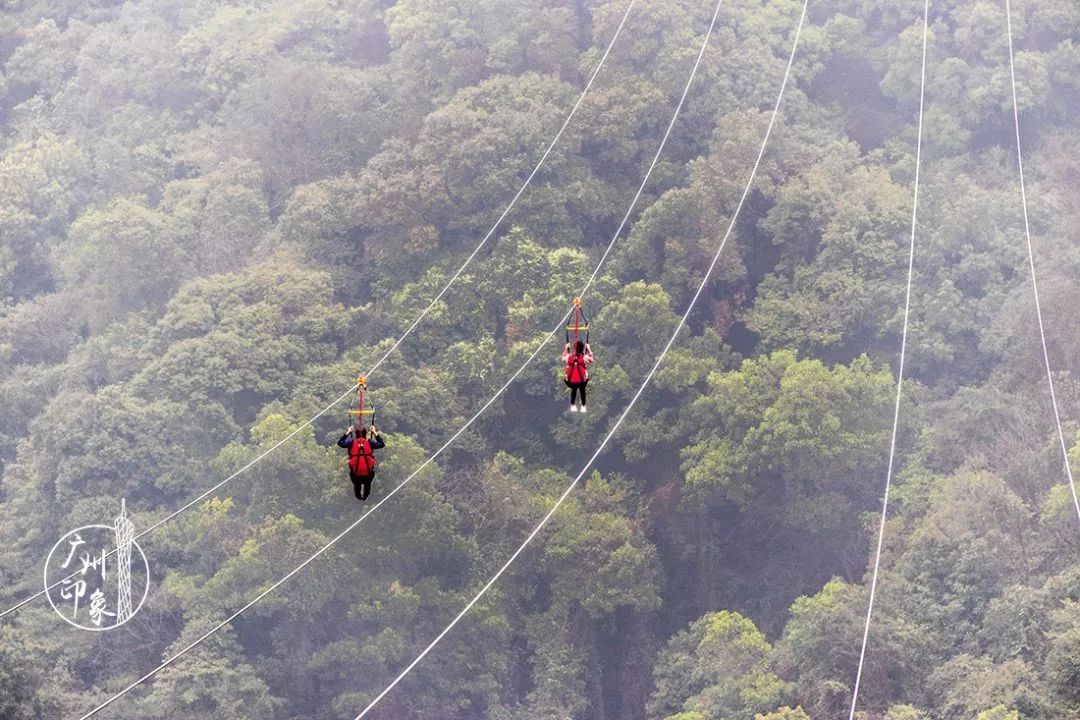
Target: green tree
column 999, row 712
column 787, row 713
column 237, row 340
column 966, row 686
column 123, row 257
column 221, row 218
column 972, row 544
column 720, row 667
column 798, row 419
column 42, row 187
column 216, row 684
column 904, row 712
column 1063, row 658
column 16, row 698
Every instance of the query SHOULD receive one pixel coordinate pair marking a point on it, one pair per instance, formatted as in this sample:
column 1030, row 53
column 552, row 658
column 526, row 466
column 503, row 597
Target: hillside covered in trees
column 215, row 213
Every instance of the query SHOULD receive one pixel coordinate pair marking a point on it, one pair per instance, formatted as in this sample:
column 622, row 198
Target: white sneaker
column 582, row 409
column 573, row 408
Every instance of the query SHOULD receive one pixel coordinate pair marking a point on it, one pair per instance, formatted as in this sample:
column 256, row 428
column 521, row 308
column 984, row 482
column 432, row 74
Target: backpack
column 361, row 459
column 575, row 369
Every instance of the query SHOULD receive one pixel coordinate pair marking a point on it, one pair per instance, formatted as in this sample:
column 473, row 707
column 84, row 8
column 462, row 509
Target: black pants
column 361, row 485
column 575, row 388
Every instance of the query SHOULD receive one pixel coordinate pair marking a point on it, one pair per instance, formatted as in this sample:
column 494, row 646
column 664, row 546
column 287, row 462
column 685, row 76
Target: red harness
column 575, row 369
column 361, row 458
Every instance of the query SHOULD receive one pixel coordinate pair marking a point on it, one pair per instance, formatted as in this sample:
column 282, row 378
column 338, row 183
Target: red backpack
column 575, row 369
column 361, row 459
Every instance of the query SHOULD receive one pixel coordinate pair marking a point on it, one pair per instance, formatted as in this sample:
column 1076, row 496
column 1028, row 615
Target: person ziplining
column 361, row 442
column 577, row 357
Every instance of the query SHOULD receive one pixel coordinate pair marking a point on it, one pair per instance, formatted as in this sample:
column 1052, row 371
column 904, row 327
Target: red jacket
column 577, row 366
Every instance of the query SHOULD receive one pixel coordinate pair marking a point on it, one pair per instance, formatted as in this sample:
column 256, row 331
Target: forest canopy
column 215, row 213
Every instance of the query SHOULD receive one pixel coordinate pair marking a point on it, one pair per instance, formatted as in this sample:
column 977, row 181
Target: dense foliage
column 214, row 213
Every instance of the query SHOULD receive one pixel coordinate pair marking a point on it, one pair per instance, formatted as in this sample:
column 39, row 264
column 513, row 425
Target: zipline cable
column 682, row 321
column 900, row 370
column 1031, row 264
column 408, row 331
column 558, row 326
